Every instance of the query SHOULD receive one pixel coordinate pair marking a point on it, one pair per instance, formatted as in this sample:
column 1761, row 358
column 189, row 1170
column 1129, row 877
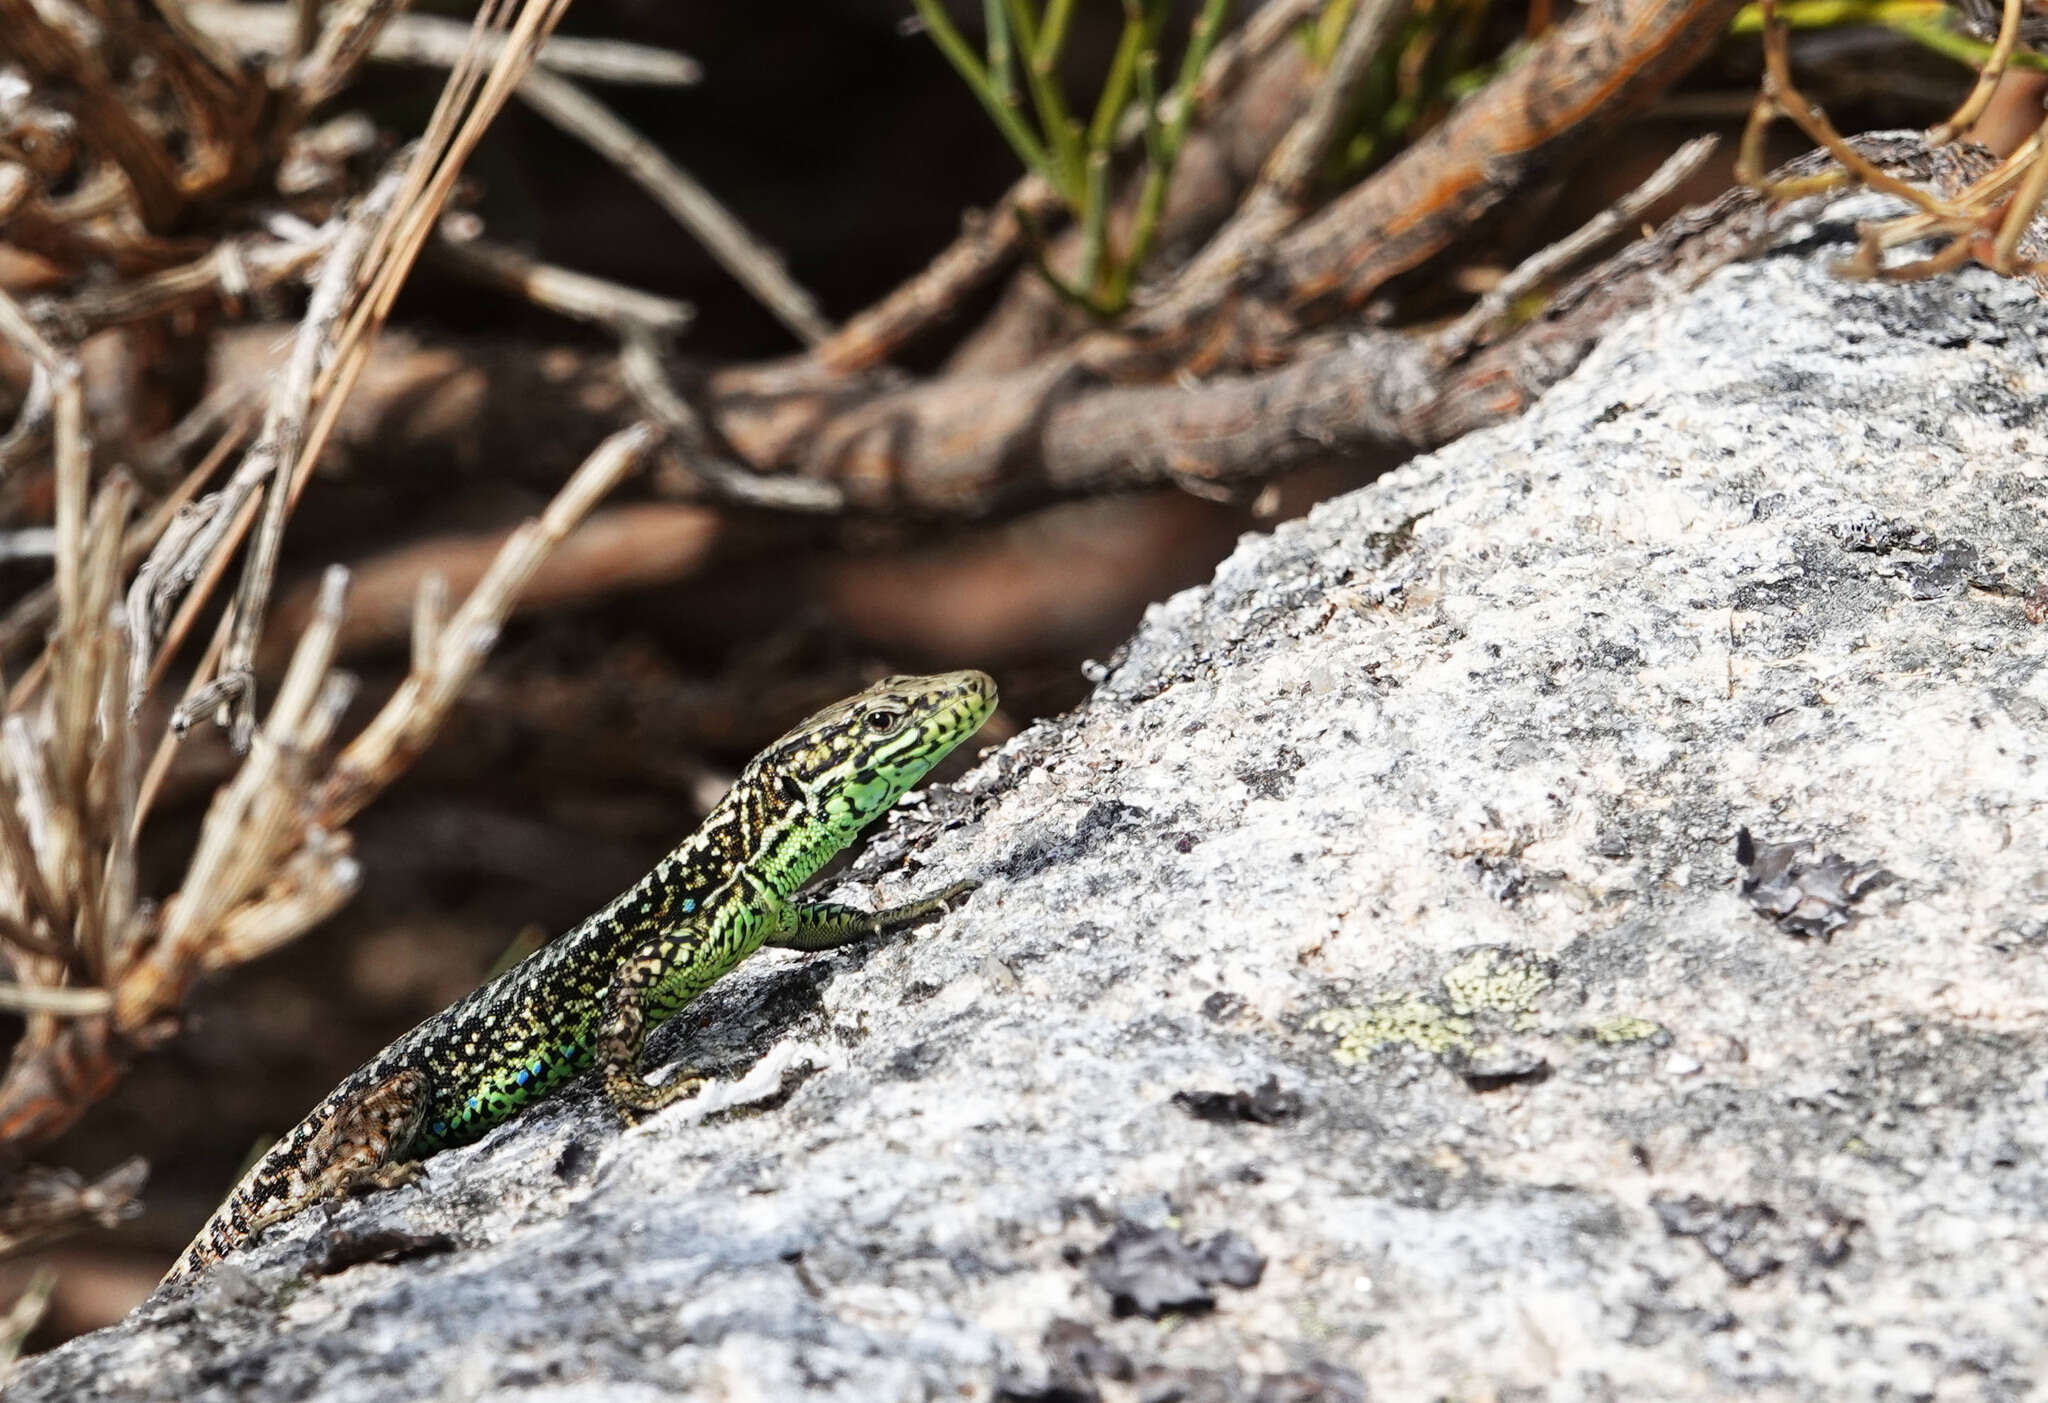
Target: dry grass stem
column 740, row 252
column 640, row 365
column 1965, row 116
column 24, row 1316
column 563, row 291
column 97, row 971
column 400, row 731
column 340, row 45
column 1494, row 311
column 39, row 1204
column 441, row 43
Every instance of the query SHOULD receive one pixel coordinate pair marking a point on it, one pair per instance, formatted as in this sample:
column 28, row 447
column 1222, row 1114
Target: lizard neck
column 762, row 825
column 790, row 841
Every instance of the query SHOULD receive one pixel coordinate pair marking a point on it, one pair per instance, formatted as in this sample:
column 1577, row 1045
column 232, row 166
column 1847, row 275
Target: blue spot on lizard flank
column 523, row 1077
column 689, row 904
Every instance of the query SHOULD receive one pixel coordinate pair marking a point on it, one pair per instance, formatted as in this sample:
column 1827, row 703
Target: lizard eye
column 881, row 721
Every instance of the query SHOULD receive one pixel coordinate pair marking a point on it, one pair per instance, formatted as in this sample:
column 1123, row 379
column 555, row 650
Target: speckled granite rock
column 1366, row 979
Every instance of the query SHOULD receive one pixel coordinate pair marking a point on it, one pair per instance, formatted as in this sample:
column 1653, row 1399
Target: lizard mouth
column 966, row 700
column 945, row 710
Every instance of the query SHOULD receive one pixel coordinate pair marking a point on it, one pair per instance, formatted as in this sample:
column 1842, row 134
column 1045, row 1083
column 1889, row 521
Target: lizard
column 592, row 995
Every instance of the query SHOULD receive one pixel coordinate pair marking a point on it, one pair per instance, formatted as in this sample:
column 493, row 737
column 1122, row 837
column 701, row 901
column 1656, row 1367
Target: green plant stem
column 1035, row 240
column 1116, row 293
column 1116, row 88
column 1027, row 147
column 1923, row 21
column 1000, row 81
column 1830, row 14
column 1208, row 28
column 1054, row 34
column 1163, row 142
column 1095, row 222
column 1327, row 29
column 1062, row 133
column 1936, row 35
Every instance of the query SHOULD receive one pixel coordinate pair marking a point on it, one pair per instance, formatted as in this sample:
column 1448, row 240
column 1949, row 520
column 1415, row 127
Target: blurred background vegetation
column 850, row 137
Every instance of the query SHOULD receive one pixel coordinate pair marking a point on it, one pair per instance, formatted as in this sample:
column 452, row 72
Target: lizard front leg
column 625, row 1033
column 827, row 925
column 356, row 1148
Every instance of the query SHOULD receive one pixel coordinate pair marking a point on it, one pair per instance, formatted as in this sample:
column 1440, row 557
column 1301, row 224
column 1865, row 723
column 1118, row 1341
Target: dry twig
column 1988, row 222
column 441, row 43
column 739, row 251
column 98, row 973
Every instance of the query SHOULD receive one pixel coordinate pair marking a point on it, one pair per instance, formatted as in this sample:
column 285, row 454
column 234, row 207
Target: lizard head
column 851, row 761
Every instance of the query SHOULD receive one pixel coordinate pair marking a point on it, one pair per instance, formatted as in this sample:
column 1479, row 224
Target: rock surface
column 1365, row 983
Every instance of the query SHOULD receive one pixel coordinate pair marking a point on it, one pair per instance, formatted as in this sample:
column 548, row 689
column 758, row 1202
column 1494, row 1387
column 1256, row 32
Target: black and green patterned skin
column 591, row 996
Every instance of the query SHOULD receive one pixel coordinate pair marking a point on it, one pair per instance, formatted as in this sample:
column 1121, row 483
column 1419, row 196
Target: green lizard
column 592, row 995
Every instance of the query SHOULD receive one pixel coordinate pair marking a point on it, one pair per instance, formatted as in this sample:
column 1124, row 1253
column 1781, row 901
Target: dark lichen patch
column 1268, row 1104
column 1222, row 1006
column 1611, row 843
column 1873, row 534
column 1154, row 1271
column 1504, row 879
column 1913, row 1094
column 1659, row 1315
column 1074, row 1361
column 1945, row 567
column 1941, row 314
column 1821, row 593
column 241, row 1375
column 1952, row 567
column 735, row 1019
column 1103, row 822
column 1317, row 1382
column 2003, row 404
column 575, row 1161
column 1750, row 1241
column 1806, row 896
column 385, row 1246
column 1107, row 818
column 1737, row 1236
column 915, row 1062
column 1273, row 780
column 1073, row 1358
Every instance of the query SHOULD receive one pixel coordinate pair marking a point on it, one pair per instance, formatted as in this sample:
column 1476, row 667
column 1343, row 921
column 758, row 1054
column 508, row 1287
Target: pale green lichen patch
column 1409, row 1021
column 1624, row 1028
column 1494, row 979
column 1493, row 985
